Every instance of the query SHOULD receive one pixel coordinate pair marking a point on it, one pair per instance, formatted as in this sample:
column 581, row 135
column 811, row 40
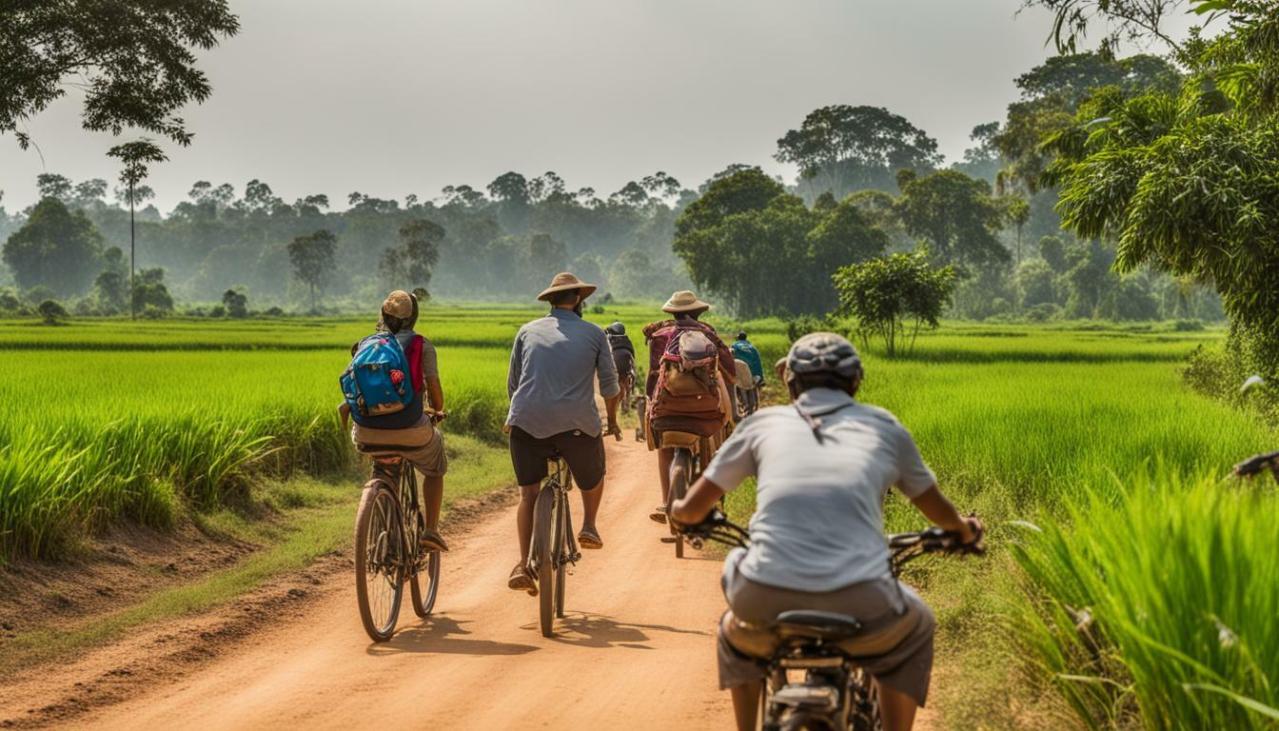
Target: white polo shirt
column 819, row 519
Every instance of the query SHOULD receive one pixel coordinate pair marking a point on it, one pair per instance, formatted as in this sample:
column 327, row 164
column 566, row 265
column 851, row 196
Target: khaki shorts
column 421, row 445
column 896, row 646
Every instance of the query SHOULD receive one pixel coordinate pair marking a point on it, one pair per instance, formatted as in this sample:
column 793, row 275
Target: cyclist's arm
column 698, row 503
column 610, row 388
column 941, row 511
column 517, row 362
column 435, row 392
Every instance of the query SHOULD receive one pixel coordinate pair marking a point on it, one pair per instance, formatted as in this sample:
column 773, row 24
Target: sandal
column 522, row 580
column 658, row 515
column 432, row 541
column 589, row 538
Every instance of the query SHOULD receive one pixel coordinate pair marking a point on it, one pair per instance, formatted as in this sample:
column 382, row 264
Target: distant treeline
column 870, row 184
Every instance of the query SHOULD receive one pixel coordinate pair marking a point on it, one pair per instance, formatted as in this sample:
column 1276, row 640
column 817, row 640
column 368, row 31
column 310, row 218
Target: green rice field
column 1131, row 584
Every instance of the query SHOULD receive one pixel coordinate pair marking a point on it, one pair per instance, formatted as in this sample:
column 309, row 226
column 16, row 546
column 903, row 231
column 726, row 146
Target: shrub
column 51, row 312
column 217, row 311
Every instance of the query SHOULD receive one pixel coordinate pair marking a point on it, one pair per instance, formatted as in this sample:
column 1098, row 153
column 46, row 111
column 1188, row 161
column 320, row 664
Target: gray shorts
column 421, row 445
column 895, row 647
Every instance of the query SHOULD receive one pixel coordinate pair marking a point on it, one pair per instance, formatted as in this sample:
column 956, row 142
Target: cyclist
column 824, row 465
column 686, row 310
column 411, row 433
column 744, row 351
column 551, row 383
column 623, row 355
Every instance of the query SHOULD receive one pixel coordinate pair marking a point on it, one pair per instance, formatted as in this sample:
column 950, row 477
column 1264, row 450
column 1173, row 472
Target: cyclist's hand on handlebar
column 971, row 535
column 712, row 519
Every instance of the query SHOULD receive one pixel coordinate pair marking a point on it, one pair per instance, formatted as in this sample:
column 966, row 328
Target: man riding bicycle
column 685, row 309
column 411, row 433
column 623, row 356
column 744, row 351
column 824, row 465
column 551, row 383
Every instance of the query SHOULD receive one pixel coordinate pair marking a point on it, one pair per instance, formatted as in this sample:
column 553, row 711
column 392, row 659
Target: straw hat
column 398, row 304
column 684, row 301
column 565, row 281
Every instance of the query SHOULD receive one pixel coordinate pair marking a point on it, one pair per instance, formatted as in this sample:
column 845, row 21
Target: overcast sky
column 391, row 97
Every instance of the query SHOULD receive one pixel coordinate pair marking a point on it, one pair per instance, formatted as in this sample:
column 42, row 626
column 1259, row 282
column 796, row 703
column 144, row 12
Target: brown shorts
column 421, row 445
column 583, row 453
column 896, row 647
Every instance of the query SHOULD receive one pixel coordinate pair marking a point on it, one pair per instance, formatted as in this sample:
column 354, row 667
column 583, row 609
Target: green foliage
column 134, row 61
column 1135, row 608
column 1186, row 183
column 236, row 303
column 150, row 296
column 956, row 215
column 409, row 266
column 55, row 248
column 842, row 149
column 313, row 259
column 111, row 288
column 764, row 251
column 51, row 312
column 883, row 293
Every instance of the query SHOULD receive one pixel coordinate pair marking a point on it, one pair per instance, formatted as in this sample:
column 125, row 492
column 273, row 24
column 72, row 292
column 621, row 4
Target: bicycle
column 554, row 546
column 1253, row 466
column 834, row 692
column 388, row 552
column 692, row 453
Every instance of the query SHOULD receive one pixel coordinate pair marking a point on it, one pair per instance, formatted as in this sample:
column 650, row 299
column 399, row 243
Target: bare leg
column 524, row 517
column 433, row 498
column 898, row 709
column 591, row 500
column 664, row 459
column 746, row 705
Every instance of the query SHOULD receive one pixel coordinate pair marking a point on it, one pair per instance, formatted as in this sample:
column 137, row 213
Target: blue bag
column 377, row 382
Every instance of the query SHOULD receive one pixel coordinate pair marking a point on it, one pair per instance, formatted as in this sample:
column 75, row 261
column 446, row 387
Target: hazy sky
column 390, row 97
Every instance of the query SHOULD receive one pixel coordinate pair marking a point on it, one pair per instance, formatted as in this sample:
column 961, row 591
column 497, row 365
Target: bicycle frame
column 553, row 541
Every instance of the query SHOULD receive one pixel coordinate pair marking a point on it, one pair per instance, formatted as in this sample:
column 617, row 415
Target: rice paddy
column 1134, row 585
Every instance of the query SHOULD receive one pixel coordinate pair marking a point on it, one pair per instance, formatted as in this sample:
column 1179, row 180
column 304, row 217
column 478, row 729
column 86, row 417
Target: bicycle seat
column 674, row 439
column 818, row 625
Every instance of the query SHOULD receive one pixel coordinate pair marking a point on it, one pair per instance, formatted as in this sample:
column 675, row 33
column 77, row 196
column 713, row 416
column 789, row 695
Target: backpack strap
column 414, row 354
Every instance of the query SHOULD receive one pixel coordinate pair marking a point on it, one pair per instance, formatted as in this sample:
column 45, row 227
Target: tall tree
column 135, row 158
column 1186, row 182
column 843, row 149
column 957, row 216
column 314, row 260
column 55, row 248
column 409, row 266
column 135, row 61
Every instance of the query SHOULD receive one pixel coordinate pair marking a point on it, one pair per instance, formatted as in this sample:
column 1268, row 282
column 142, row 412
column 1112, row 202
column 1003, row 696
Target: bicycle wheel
column 379, row 583
column 681, row 473
column 544, row 517
column 424, row 601
column 564, row 526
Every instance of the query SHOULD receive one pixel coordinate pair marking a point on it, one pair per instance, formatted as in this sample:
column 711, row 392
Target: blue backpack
column 378, row 380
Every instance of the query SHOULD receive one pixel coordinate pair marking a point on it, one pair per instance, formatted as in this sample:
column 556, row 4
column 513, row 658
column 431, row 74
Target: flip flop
column 658, row 515
column 589, row 539
column 521, row 580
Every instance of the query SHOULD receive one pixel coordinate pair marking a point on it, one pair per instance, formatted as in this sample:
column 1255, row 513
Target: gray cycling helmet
column 818, row 354
column 616, row 328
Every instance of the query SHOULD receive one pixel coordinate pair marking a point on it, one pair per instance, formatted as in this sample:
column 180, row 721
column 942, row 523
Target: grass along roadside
column 314, row 519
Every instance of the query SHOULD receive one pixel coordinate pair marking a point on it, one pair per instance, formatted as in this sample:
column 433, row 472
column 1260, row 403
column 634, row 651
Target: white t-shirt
column 819, row 521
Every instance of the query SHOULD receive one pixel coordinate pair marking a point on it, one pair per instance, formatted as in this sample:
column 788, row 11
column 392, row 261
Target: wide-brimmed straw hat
column 684, row 301
column 565, row 281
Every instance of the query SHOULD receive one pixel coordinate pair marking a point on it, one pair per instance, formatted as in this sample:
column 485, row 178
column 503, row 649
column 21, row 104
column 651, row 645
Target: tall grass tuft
column 1157, row 605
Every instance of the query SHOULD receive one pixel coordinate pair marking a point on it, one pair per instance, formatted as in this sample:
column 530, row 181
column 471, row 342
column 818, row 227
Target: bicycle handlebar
column 904, row 547
column 1255, row 464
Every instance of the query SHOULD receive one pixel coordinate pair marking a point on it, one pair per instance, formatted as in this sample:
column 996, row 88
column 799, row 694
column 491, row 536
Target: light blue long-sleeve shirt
column 551, row 381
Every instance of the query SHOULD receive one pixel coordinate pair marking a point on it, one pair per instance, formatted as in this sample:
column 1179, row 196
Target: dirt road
column 636, row 651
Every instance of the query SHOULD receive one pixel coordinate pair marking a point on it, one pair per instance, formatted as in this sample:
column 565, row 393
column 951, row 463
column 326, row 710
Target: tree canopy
column 135, row 60
column 1186, row 182
column 844, row 148
column 55, row 248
